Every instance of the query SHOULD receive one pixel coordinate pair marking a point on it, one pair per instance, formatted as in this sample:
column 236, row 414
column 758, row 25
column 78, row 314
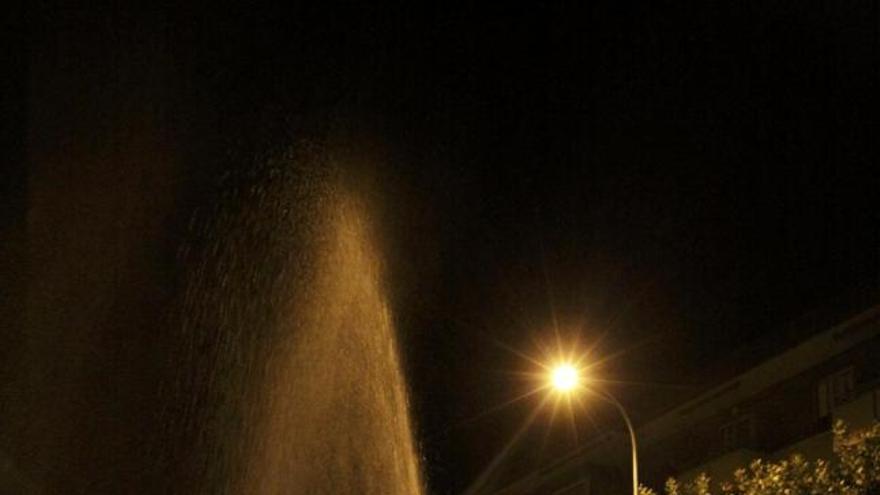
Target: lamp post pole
column 632, row 436
column 564, row 378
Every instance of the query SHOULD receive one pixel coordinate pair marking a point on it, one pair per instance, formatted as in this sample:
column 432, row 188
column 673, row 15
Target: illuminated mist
column 286, row 320
column 196, row 313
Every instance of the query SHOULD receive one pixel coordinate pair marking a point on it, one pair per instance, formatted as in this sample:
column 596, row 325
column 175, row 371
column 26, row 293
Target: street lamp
column 566, row 378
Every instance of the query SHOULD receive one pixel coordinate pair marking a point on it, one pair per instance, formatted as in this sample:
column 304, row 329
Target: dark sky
column 676, row 181
column 672, row 183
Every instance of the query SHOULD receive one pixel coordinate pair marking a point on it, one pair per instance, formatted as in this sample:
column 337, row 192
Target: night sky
column 674, row 184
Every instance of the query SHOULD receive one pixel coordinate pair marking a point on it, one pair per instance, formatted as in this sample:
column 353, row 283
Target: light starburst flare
column 565, row 377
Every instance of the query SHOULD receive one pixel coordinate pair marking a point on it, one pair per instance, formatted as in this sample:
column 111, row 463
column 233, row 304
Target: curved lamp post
column 564, row 378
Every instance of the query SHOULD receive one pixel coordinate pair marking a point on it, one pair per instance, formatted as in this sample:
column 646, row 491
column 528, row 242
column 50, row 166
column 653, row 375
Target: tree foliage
column 855, row 470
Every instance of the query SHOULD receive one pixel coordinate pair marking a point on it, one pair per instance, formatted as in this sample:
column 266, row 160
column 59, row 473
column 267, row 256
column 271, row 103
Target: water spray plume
column 306, row 376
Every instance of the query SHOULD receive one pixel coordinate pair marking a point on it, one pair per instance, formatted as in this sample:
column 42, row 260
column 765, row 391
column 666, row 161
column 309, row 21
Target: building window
column 737, row 434
column 835, row 390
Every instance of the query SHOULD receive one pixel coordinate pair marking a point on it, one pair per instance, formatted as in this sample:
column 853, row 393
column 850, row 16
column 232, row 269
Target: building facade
column 786, row 404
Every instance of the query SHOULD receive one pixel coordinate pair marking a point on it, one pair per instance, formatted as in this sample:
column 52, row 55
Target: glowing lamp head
column 564, row 378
